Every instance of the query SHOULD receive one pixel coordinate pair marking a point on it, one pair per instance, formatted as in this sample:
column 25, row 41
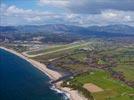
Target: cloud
column 97, row 6
column 30, row 19
column 104, row 18
column 13, row 10
column 94, row 12
column 56, row 3
column 90, row 6
column 13, row 15
column 118, row 15
column 23, row 16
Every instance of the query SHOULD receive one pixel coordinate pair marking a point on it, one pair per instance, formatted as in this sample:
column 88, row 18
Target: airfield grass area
column 57, row 53
column 53, row 49
column 50, row 48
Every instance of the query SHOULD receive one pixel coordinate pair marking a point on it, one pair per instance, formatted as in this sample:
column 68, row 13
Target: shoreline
column 53, row 75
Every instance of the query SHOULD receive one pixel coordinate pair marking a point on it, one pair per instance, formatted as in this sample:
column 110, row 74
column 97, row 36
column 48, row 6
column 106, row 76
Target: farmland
column 113, row 89
column 111, row 68
column 108, row 65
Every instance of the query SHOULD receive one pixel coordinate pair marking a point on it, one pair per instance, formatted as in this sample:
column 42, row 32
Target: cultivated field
column 112, row 89
column 106, row 65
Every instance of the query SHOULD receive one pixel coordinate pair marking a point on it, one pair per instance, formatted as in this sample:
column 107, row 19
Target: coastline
column 53, row 75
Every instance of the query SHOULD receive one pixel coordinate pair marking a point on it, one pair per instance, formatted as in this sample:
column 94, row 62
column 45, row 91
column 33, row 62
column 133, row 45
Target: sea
column 20, row 80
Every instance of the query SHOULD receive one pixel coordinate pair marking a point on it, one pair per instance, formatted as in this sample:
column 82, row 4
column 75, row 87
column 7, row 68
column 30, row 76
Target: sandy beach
column 73, row 94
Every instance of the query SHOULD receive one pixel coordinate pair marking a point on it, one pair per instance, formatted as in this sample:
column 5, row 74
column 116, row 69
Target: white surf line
column 72, row 94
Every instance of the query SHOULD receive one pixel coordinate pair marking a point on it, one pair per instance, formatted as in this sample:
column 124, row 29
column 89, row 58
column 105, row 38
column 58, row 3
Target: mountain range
column 65, row 33
column 122, row 29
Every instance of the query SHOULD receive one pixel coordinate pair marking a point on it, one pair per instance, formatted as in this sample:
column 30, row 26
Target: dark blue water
column 19, row 80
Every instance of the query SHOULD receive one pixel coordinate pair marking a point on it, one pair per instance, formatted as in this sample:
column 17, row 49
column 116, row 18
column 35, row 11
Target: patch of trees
column 107, row 63
column 120, row 76
column 79, row 87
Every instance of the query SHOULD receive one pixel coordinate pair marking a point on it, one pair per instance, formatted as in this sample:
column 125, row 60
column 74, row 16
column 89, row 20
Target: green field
column 46, row 57
column 128, row 70
column 124, row 57
column 54, row 49
column 58, row 51
column 74, row 59
column 113, row 89
column 126, row 63
column 50, row 48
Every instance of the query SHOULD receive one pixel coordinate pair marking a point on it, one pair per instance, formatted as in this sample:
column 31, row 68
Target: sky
column 72, row 12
